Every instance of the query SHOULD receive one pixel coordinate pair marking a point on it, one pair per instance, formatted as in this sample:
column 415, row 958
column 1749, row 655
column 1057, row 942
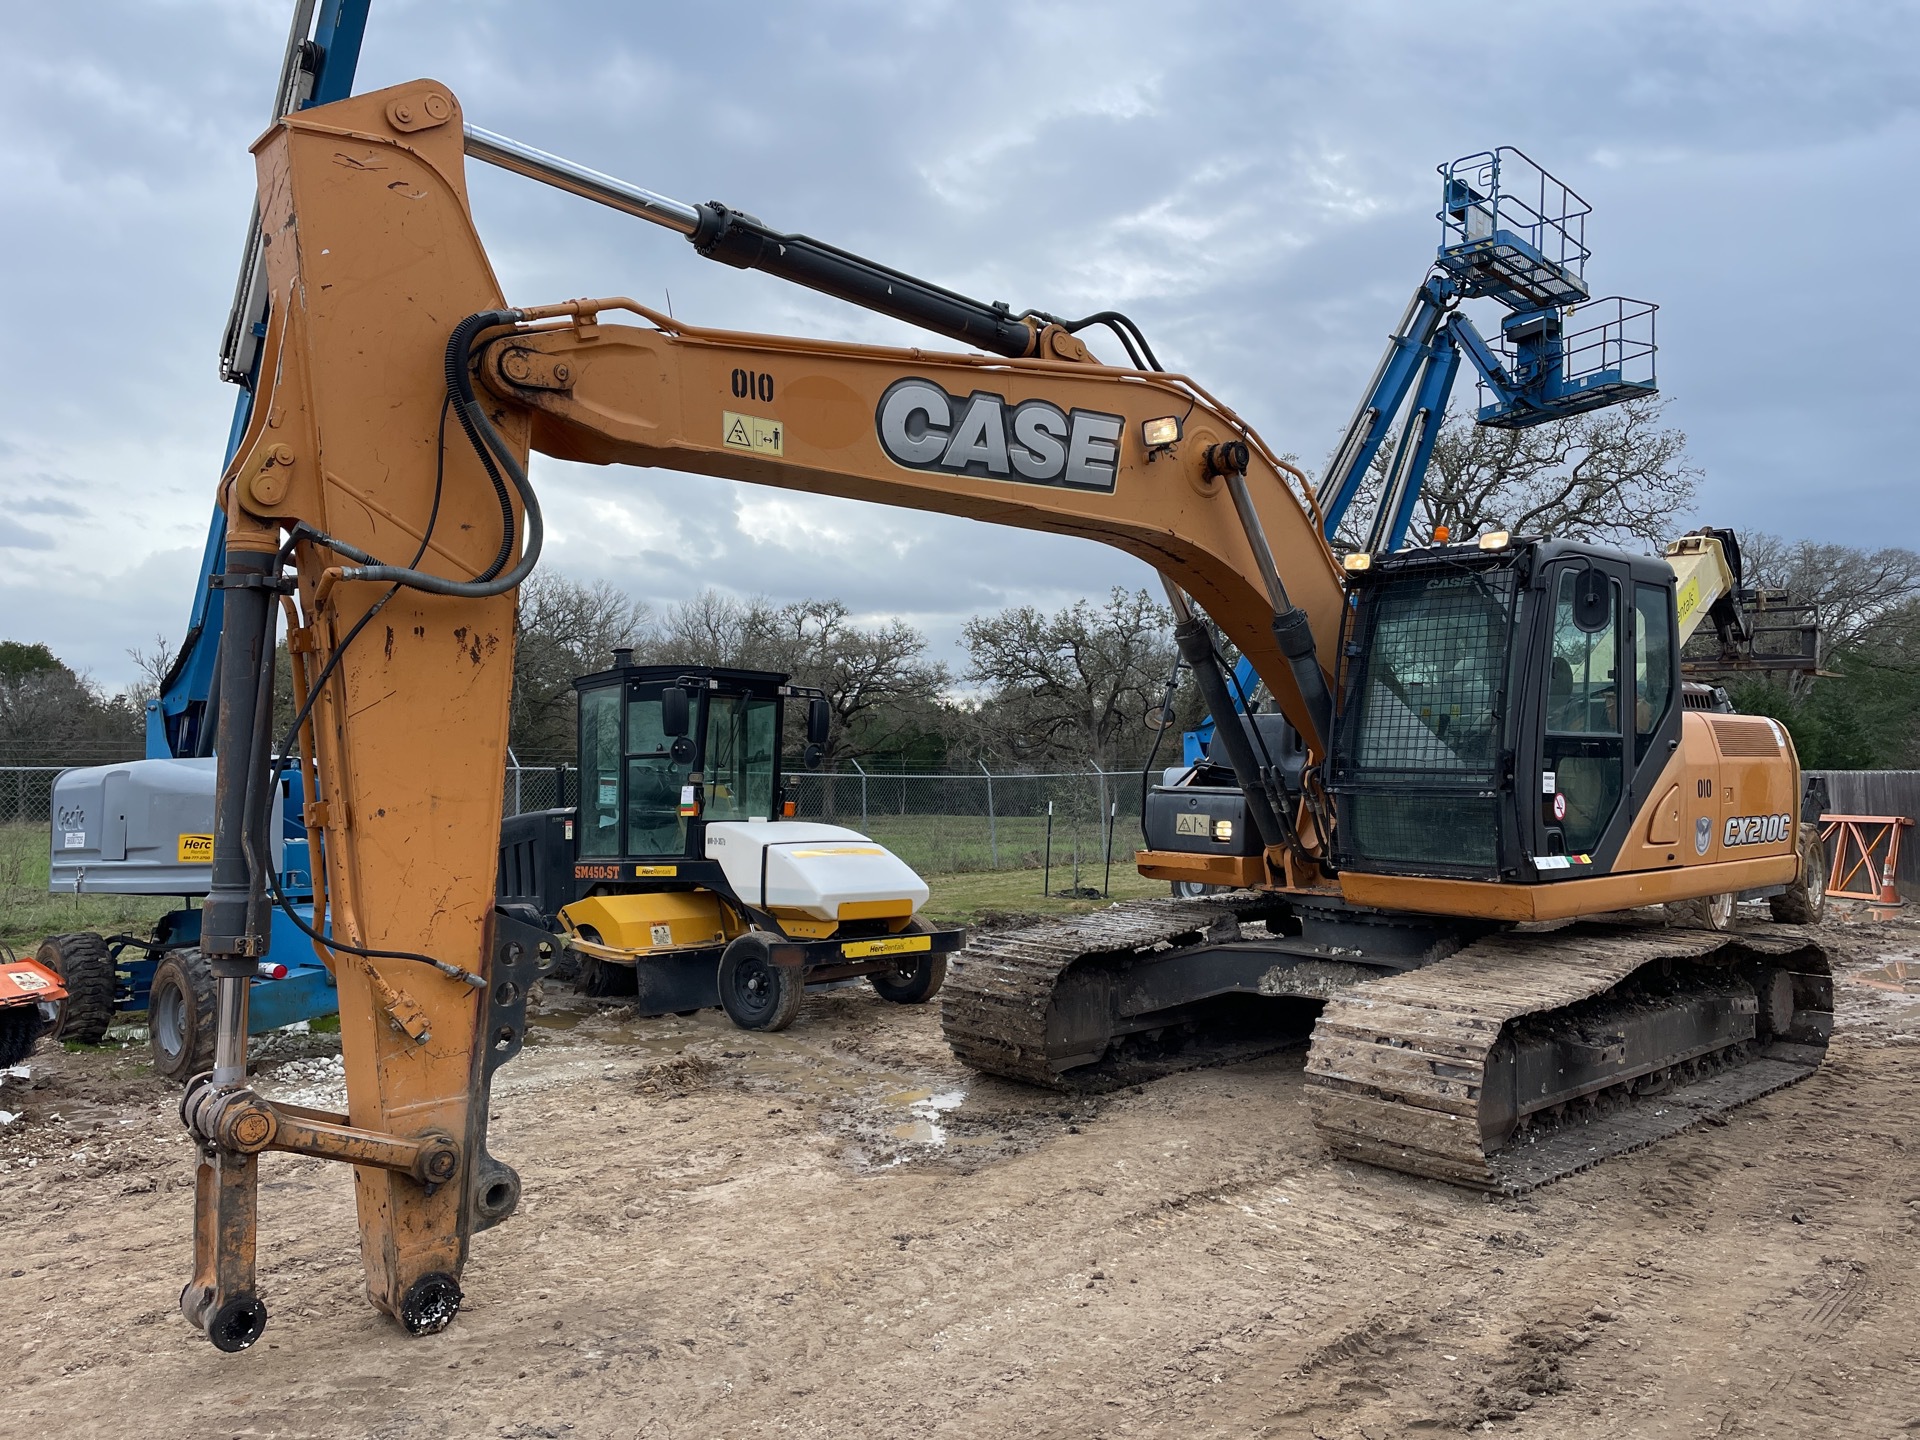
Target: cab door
column 1585, row 751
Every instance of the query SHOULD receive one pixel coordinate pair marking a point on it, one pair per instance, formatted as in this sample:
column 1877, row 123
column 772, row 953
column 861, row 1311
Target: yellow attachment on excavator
column 656, row 920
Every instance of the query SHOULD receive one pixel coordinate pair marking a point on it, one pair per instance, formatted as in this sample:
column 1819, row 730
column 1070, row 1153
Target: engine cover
column 824, row 871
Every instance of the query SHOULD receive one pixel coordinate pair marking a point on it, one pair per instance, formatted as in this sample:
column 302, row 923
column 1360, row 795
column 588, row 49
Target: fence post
column 993, row 832
column 1106, row 883
column 863, row 792
column 1046, row 869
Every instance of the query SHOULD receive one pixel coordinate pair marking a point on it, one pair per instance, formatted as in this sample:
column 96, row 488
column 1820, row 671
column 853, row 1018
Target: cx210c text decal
column 1756, row 829
column 1035, row 442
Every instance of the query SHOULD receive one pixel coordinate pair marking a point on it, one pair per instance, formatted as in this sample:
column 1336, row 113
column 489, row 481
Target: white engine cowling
column 815, row 869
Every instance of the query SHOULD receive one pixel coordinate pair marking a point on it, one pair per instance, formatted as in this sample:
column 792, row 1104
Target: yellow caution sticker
column 196, row 850
column 892, row 945
column 752, row 432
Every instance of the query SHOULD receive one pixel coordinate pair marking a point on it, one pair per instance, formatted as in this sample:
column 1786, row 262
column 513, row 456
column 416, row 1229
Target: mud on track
column 837, row 1232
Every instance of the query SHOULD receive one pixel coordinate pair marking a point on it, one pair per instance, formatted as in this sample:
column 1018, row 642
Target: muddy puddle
column 878, row 1113
column 1897, row 977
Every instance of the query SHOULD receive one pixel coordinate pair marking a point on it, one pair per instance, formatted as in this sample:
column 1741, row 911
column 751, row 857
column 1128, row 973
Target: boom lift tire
column 84, row 967
column 1709, row 912
column 756, row 993
column 180, row 1015
column 1805, row 901
column 912, row 983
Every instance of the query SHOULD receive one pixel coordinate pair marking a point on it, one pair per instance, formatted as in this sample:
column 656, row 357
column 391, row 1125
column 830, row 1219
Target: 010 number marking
column 752, row 385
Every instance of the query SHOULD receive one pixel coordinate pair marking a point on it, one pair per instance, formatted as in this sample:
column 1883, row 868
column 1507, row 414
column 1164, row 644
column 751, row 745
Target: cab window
column 741, row 740
column 655, row 779
column 1652, row 664
column 600, row 772
column 1583, row 748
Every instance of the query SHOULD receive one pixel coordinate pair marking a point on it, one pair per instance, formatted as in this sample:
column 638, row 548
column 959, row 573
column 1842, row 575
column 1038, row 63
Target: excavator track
column 1420, row 1072
column 1001, row 1007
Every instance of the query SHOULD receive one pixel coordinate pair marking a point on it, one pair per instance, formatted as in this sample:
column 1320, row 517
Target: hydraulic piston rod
column 738, row 239
column 579, row 180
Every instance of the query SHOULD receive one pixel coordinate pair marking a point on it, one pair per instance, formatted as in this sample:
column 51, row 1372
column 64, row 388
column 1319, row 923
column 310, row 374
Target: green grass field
column 958, row 844
column 953, row 853
column 28, row 914
column 962, row 899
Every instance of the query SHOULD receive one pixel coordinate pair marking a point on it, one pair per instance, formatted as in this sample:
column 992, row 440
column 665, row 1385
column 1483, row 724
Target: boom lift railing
column 1511, row 233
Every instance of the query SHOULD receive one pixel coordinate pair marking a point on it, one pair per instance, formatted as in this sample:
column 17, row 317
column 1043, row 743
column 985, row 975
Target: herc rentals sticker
column 195, row 850
column 1756, row 829
column 1035, row 442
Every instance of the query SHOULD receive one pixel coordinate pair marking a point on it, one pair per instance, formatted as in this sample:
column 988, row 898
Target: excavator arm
column 379, row 498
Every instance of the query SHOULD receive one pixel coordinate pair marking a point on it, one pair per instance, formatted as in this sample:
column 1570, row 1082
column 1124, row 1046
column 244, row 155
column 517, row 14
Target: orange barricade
column 1865, row 851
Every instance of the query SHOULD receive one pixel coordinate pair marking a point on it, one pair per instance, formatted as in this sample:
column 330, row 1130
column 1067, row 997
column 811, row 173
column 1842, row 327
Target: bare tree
column 877, row 679
column 712, row 628
column 52, row 715
column 1855, row 594
column 565, row 628
column 1073, row 685
column 1614, row 476
column 153, row 666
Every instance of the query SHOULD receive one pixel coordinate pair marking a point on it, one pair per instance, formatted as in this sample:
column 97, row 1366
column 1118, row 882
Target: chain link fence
column 25, row 793
column 939, row 824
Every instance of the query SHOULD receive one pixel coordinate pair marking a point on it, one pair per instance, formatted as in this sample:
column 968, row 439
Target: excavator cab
column 1505, row 711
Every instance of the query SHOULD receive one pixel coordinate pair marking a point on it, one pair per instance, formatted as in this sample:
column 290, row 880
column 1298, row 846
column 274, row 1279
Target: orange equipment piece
column 1866, row 852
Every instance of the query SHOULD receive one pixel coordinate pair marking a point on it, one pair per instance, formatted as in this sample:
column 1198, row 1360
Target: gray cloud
column 45, row 505
column 1253, row 181
column 19, row 537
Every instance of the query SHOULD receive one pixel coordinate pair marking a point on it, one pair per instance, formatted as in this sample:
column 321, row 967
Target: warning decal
column 752, row 432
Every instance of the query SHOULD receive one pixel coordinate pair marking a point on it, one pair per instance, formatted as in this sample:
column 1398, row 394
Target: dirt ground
column 838, row 1232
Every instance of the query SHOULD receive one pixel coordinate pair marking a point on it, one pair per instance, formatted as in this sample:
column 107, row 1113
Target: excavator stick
column 354, row 454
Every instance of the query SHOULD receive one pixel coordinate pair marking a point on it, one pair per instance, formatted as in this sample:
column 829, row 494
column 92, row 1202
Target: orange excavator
column 1473, row 742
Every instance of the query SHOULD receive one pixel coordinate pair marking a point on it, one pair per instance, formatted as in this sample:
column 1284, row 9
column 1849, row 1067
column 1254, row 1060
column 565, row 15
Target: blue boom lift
column 145, row 828
column 1511, row 233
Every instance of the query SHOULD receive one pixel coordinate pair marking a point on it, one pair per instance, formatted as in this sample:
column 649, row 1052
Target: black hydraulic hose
column 308, row 533
column 489, row 446
column 1121, row 326
column 1153, row 751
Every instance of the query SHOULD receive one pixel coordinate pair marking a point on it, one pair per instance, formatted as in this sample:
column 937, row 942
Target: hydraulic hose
column 489, row 446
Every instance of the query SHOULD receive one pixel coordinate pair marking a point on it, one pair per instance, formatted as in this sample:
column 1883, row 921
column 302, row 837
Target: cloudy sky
column 1253, row 182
